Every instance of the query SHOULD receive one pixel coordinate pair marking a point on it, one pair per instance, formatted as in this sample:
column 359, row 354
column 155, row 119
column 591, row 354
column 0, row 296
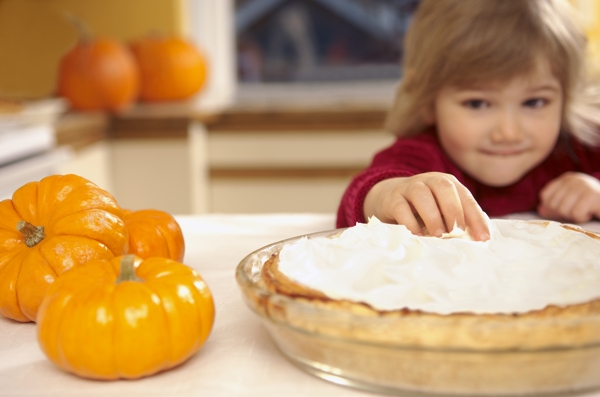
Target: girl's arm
column 573, row 196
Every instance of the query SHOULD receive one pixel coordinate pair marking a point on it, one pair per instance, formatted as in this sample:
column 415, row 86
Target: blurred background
column 323, row 40
column 291, row 107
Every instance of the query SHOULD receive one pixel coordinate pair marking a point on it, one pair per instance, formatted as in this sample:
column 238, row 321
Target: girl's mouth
column 502, row 152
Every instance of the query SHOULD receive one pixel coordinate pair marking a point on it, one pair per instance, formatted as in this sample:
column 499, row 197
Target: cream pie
column 383, row 309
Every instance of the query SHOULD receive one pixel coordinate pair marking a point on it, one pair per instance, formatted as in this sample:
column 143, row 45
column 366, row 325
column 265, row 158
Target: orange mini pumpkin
column 47, row 228
column 125, row 318
column 98, row 73
column 171, row 68
column 154, row 233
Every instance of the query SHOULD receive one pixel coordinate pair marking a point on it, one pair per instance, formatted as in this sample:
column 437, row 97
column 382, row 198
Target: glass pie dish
column 399, row 352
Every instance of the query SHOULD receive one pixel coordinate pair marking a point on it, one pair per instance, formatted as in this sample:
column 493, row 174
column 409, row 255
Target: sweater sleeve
column 350, row 210
column 406, row 157
column 588, row 159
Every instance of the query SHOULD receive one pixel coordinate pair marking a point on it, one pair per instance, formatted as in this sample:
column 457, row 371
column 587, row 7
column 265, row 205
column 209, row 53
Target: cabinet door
column 253, row 172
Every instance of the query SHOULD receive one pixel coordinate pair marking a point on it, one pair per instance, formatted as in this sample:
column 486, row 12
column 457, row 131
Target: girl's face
column 497, row 132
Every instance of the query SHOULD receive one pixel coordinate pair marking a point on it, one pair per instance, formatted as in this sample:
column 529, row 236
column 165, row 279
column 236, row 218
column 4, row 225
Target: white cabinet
column 160, row 173
column 283, row 171
column 92, row 162
column 295, row 147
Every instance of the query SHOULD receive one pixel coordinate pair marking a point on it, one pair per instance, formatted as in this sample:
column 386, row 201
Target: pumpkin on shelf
column 125, row 318
column 171, row 68
column 47, row 228
column 98, row 73
column 154, row 233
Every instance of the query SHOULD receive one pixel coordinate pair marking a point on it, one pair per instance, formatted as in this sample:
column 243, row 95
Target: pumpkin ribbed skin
column 154, row 233
column 170, row 68
column 81, row 222
column 95, row 327
column 98, row 74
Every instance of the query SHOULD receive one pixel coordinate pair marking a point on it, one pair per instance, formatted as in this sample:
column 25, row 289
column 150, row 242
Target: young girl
column 493, row 116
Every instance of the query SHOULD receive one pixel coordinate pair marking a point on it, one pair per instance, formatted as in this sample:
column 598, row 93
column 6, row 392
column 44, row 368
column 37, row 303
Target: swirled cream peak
column 457, row 232
column 524, row 266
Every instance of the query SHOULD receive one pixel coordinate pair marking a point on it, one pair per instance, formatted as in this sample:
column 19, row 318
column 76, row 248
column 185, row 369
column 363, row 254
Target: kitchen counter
column 306, row 107
column 239, row 358
column 270, row 107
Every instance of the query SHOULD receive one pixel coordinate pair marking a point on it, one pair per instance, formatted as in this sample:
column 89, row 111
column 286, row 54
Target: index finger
column 475, row 218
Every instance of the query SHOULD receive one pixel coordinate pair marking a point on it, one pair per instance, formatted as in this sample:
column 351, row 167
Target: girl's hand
column 438, row 199
column 573, row 196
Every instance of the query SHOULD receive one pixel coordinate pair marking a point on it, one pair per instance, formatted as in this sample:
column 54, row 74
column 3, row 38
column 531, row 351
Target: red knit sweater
column 423, row 153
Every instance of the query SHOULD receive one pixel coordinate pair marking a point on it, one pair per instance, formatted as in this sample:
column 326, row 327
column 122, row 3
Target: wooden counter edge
column 296, row 120
column 81, row 129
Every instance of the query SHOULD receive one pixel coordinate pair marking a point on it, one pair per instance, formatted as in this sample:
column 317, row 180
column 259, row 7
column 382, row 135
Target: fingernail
column 438, row 233
column 484, row 237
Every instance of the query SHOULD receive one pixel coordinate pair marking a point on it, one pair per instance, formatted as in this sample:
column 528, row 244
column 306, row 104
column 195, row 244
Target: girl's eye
column 535, row 103
column 476, row 104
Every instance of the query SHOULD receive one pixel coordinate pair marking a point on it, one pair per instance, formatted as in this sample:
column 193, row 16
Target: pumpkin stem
column 83, row 30
column 33, row 234
column 127, row 272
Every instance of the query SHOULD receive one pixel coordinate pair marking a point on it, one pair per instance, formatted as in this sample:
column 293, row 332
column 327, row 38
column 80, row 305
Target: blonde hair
column 457, row 42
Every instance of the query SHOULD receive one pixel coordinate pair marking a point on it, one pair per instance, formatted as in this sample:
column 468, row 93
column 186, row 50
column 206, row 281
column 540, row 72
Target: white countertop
column 239, row 358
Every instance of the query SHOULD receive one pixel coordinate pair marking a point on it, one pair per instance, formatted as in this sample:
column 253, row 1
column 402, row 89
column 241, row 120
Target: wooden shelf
column 80, row 130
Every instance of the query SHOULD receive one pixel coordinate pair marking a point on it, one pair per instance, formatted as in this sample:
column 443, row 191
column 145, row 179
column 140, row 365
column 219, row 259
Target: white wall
column 212, row 28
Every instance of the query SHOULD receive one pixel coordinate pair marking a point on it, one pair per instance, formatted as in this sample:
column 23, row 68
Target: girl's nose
column 507, row 129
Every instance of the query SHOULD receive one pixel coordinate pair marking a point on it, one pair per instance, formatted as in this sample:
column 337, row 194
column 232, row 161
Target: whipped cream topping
column 524, row 266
